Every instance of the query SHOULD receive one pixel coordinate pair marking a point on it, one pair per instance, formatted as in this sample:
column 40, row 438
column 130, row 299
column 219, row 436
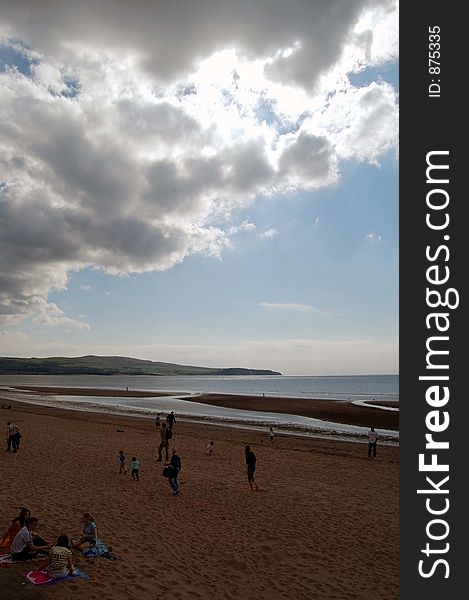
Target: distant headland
column 111, row 365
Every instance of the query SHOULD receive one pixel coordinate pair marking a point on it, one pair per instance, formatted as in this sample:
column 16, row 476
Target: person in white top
column 27, row 544
column 372, row 440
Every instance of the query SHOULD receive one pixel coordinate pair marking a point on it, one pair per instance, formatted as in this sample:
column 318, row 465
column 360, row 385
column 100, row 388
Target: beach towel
column 99, row 549
column 43, row 577
column 5, row 560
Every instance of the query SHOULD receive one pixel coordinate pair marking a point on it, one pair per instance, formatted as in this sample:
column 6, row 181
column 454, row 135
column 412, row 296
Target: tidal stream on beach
column 192, row 410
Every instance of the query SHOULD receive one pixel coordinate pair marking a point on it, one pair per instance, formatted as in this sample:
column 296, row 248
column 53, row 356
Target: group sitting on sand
column 23, row 544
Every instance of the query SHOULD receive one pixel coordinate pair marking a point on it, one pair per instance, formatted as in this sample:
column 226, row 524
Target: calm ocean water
column 359, row 388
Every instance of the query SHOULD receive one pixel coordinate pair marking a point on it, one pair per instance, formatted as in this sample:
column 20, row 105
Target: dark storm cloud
column 170, row 37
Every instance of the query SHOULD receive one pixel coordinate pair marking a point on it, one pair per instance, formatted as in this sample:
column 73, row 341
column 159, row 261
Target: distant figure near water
column 271, row 434
column 372, row 441
column 171, row 419
column 210, row 448
column 164, row 443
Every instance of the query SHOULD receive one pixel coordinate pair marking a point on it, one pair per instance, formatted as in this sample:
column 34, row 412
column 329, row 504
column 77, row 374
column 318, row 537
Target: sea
column 355, row 388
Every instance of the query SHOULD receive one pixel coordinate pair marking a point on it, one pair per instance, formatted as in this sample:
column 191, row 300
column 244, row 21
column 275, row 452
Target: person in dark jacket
column 16, row 439
column 176, row 466
column 171, row 419
column 250, row 466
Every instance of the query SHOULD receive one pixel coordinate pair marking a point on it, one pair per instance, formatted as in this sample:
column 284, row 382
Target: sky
column 211, row 183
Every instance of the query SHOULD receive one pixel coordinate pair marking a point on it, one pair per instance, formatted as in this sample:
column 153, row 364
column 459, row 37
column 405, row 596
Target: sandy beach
column 324, row 524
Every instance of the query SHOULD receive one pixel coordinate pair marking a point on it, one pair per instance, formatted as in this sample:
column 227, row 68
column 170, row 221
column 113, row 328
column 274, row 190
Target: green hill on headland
column 111, row 365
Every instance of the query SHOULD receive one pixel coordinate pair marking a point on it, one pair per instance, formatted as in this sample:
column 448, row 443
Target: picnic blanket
column 43, row 577
column 99, row 549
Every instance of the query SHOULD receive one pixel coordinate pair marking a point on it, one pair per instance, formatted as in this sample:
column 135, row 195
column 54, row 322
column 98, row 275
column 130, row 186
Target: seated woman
column 59, row 564
column 90, row 533
column 18, row 523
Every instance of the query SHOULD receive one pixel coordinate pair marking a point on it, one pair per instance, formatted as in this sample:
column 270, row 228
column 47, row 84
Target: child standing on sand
column 271, row 434
column 135, row 465
column 122, row 457
column 210, row 448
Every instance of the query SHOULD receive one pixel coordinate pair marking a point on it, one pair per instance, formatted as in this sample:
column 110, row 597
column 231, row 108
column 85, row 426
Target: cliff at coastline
column 111, row 365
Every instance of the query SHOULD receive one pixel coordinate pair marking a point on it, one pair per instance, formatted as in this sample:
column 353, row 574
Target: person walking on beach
column 176, row 467
column 157, row 421
column 164, row 443
column 122, row 458
column 135, row 466
column 15, row 440
column 250, row 466
column 372, row 441
column 210, row 448
column 11, row 430
column 271, row 434
column 171, row 419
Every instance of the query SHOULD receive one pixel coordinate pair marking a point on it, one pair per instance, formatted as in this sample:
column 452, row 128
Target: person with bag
column 173, row 471
column 164, row 443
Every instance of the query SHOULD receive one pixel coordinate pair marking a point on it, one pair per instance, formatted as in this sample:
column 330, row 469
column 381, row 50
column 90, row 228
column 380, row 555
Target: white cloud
column 290, row 306
column 269, row 233
column 129, row 153
column 51, row 314
column 246, row 225
column 373, row 237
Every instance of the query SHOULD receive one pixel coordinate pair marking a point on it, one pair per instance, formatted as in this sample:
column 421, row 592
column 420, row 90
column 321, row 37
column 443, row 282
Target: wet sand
column 327, row 410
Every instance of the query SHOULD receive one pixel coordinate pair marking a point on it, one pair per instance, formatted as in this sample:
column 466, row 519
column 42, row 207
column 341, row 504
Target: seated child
column 59, row 563
column 90, row 533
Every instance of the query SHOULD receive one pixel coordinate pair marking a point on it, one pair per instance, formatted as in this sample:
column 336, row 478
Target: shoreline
column 341, row 412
